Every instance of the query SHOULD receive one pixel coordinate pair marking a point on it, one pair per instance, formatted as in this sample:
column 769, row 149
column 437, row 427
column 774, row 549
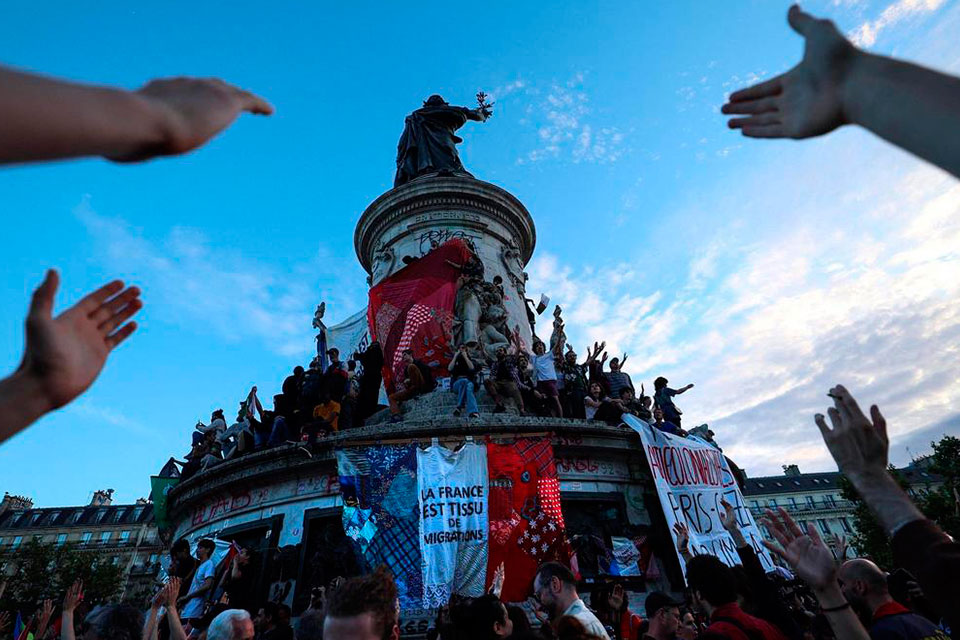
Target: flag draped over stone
column 442, row 520
column 414, row 309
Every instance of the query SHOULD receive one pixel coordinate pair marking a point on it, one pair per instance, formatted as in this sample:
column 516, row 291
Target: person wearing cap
column 663, row 616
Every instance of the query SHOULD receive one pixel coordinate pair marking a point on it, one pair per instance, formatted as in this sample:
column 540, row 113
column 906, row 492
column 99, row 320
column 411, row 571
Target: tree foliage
column 870, row 539
column 46, row 570
column 940, row 504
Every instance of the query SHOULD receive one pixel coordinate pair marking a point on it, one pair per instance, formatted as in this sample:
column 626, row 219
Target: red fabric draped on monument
column 526, row 524
column 414, row 308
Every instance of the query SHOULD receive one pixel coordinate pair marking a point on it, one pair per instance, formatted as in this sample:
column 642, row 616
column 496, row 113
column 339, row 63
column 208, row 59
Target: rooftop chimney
column 791, row 470
column 102, row 498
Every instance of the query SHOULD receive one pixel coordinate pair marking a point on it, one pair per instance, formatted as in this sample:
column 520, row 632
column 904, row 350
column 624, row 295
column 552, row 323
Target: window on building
column 793, row 502
column 16, row 541
column 754, row 504
column 824, row 529
column 118, row 515
column 101, row 514
column 105, row 537
column 34, row 517
column 76, row 516
column 845, row 524
column 810, row 502
column 115, row 559
column 153, row 558
column 53, row 517
column 85, row 538
column 772, row 503
column 137, row 512
column 124, row 536
column 830, row 501
column 61, row 539
column 1, row 541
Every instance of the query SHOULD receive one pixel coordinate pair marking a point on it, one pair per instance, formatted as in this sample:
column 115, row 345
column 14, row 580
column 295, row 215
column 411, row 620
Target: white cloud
column 567, row 127
column 866, row 34
column 189, row 281
column 764, row 321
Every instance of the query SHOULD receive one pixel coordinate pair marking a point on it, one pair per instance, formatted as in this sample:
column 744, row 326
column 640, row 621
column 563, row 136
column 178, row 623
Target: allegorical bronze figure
column 429, row 140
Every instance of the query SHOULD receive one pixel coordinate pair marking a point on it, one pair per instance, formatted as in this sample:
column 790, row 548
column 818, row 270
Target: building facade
column 816, row 497
column 124, row 533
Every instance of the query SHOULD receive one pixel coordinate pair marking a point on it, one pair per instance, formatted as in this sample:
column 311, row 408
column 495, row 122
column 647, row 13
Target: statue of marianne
column 429, row 140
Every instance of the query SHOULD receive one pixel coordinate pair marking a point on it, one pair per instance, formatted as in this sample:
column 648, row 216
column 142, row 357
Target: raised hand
column 728, row 517
column 683, row 538
column 496, row 585
column 73, row 597
column 839, row 543
column 65, row 354
column 858, row 444
column 615, row 599
column 804, row 551
column 807, row 100
column 46, row 611
column 171, row 591
column 191, row 111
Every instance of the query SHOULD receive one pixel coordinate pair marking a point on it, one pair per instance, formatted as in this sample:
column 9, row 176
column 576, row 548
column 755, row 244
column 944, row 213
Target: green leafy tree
column 941, row 504
column 870, row 540
column 46, row 570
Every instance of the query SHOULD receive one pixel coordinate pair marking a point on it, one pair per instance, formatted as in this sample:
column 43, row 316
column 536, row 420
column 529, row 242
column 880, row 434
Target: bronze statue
column 429, row 141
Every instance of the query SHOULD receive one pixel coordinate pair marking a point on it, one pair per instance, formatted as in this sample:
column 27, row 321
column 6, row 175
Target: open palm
column 803, row 550
column 805, row 101
column 65, row 354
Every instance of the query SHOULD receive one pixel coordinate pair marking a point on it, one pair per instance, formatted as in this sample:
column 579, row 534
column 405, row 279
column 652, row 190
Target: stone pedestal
column 406, row 222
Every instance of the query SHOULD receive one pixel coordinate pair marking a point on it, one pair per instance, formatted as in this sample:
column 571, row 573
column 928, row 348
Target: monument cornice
column 289, row 461
column 435, row 193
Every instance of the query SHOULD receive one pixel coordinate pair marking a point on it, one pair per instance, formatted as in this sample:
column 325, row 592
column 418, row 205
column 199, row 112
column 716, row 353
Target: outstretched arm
column 72, row 598
column 836, row 83
column 813, row 563
column 64, row 355
column 44, row 118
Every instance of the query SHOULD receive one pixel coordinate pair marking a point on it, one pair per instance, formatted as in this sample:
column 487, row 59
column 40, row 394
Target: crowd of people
column 312, row 404
column 835, row 84
column 544, row 383
column 322, row 400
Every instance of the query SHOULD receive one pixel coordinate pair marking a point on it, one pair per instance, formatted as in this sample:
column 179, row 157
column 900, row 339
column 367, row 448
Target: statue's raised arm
column 429, row 140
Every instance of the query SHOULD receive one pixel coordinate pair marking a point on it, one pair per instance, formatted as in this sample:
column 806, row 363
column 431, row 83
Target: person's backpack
column 429, row 384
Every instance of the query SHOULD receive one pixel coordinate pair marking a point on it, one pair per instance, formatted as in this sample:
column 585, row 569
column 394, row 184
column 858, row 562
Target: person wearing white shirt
column 555, row 588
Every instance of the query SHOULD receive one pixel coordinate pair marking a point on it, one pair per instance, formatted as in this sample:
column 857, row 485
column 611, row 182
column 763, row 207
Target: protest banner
column 453, row 522
column 692, row 479
column 350, row 336
column 443, row 520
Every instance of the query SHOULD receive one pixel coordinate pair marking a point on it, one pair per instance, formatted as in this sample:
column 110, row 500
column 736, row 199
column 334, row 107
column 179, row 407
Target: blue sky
column 764, row 272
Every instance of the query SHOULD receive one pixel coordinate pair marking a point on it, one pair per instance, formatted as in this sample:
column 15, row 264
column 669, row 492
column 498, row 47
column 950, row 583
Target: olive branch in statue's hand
column 484, row 107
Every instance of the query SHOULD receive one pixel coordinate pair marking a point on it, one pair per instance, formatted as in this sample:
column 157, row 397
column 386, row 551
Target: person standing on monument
column 429, row 140
column 663, row 399
column 545, row 377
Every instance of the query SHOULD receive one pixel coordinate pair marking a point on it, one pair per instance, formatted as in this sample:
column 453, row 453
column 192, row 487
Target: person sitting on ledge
column 668, row 427
column 325, row 416
column 463, row 374
column 593, row 400
column 413, row 385
column 504, row 380
column 532, row 399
